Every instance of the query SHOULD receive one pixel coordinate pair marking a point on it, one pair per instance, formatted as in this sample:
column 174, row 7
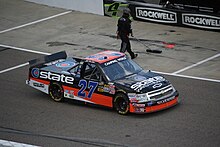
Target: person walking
column 124, row 30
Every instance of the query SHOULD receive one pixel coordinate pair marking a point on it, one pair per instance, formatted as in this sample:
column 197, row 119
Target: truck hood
column 142, row 82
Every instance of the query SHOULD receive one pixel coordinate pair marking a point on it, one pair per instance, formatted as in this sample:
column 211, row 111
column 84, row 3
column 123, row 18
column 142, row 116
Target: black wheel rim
column 56, row 92
column 122, row 105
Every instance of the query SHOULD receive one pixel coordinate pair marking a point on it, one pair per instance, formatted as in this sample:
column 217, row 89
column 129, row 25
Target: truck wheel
column 121, row 104
column 56, row 92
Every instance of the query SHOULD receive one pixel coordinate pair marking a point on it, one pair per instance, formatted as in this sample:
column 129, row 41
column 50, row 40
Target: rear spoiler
column 48, row 58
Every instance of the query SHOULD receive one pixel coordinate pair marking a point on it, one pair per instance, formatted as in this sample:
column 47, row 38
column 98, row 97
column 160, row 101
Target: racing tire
column 121, row 104
column 56, row 92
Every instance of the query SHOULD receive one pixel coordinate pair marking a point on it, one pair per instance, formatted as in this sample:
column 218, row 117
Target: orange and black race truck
column 107, row 78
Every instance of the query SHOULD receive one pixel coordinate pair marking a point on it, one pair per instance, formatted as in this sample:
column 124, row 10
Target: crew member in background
column 123, row 32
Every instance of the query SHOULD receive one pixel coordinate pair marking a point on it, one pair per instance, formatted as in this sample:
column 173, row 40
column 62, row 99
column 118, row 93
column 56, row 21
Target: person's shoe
column 135, row 55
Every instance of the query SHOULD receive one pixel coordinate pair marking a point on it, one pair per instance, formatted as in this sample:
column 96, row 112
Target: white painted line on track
column 196, row 64
column 12, row 68
column 6, row 143
column 44, row 53
column 197, row 78
column 185, row 76
column 23, row 49
column 20, row 49
column 34, row 22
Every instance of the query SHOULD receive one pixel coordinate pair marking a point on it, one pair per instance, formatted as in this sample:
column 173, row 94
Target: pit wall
column 159, row 14
column 141, row 12
column 89, row 6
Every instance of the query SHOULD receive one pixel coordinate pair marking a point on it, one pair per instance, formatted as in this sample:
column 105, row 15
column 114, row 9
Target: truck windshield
column 121, row 69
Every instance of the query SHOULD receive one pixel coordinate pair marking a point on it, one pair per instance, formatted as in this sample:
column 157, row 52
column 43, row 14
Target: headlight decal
column 133, row 97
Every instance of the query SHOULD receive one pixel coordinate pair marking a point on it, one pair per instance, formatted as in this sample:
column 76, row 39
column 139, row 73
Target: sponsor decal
column 115, row 61
column 132, row 97
column 104, row 56
column 69, row 93
column 115, row 54
column 110, row 62
column 98, row 57
column 107, row 88
column 157, row 85
column 35, row 72
column 122, row 58
column 165, row 100
column 56, row 77
column 201, row 21
column 40, row 85
column 54, row 62
column 100, row 89
column 150, row 103
column 138, row 105
column 145, row 83
column 157, row 15
column 92, row 56
column 137, row 109
column 65, row 64
column 111, row 89
column 133, row 100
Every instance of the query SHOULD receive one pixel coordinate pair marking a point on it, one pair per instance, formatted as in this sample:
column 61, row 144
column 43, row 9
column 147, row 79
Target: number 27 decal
column 83, row 84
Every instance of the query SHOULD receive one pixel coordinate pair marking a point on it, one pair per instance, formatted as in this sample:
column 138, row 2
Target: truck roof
column 105, row 56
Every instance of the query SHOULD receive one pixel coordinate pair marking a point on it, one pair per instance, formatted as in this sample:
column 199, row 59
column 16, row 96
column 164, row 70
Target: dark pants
column 126, row 46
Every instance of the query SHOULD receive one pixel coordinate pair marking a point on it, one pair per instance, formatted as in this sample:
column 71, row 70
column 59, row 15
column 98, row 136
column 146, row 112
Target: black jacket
column 124, row 26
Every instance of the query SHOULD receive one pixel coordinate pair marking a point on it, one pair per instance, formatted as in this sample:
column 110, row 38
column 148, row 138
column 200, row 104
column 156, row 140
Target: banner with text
column 160, row 14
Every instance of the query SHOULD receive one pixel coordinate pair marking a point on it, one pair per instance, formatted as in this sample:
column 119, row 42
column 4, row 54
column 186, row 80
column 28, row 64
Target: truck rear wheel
column 56, row 92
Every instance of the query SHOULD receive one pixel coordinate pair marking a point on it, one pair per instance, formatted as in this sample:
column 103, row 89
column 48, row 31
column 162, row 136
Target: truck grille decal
column 161, row 93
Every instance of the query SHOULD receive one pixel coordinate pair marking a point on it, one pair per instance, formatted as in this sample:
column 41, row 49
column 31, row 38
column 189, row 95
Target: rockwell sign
column 157, row 15
column 201, row 21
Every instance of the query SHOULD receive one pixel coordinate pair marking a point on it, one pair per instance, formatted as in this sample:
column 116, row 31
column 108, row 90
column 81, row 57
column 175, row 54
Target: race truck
column 107, row 78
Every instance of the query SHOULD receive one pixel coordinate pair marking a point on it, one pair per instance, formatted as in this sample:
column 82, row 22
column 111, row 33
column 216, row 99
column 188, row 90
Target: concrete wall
column 90, row 6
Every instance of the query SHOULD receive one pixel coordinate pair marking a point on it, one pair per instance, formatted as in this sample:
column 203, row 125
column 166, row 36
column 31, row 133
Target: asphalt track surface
column 30, row 116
